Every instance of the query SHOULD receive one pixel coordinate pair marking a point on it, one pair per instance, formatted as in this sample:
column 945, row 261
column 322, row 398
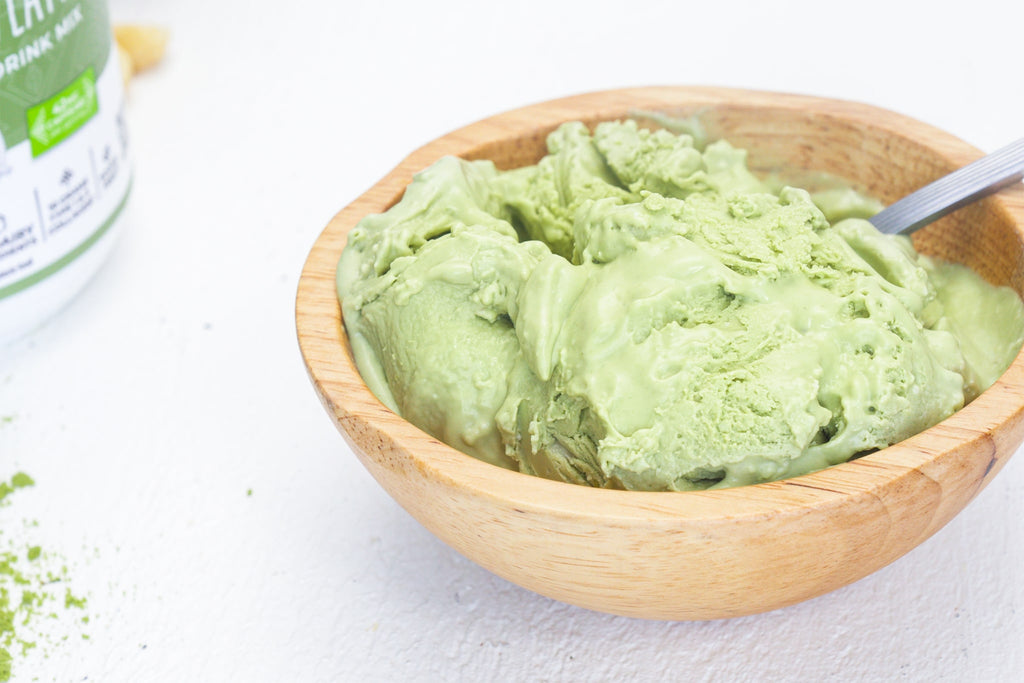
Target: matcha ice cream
column 635, row 312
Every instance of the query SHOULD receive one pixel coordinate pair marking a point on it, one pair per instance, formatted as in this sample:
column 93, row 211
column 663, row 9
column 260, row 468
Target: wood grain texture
column 695, row 555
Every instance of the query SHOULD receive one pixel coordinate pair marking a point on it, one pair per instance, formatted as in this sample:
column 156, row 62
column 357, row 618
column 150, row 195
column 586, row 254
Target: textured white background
column 173, row 384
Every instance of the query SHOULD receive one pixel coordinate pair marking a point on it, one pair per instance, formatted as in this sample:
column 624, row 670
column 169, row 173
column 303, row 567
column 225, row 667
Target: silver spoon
column 979, row 179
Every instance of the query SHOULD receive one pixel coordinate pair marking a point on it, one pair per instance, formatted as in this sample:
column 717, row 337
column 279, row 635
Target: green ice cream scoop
column 635, row 312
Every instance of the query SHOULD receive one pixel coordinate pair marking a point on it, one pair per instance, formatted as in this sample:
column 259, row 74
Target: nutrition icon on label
column 65, row 200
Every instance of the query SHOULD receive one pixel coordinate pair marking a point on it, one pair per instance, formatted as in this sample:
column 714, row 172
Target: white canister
column 64, row 169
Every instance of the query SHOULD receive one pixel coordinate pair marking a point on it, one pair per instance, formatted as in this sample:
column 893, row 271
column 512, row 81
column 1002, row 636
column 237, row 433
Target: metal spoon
column 947, row 194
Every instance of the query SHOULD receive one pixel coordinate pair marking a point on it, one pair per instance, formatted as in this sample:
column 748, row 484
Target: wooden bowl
column 708, row 554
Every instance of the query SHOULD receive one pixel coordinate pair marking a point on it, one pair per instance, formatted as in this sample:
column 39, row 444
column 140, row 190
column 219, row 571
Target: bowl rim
column 354, row 408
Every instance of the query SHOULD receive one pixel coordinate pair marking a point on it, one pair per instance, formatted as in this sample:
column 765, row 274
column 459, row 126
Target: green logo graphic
column 54, row 120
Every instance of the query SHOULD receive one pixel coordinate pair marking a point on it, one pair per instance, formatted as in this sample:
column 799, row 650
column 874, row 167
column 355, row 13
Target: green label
column 44, row 46
column 53, row 121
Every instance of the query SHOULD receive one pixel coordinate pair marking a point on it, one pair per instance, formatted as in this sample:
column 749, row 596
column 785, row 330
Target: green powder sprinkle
column 20, row 480
column 71, row 601
column 29, row 589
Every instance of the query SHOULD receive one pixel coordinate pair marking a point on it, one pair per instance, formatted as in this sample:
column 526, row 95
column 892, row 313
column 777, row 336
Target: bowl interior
column 701, row 554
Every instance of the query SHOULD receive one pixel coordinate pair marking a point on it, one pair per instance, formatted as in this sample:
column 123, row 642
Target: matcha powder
column 30, row 589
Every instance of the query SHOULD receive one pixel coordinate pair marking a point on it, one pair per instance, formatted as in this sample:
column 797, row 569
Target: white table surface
column 173, row 386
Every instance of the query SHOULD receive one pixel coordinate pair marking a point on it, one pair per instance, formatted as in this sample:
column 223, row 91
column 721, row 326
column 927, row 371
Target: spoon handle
column 961, row 187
